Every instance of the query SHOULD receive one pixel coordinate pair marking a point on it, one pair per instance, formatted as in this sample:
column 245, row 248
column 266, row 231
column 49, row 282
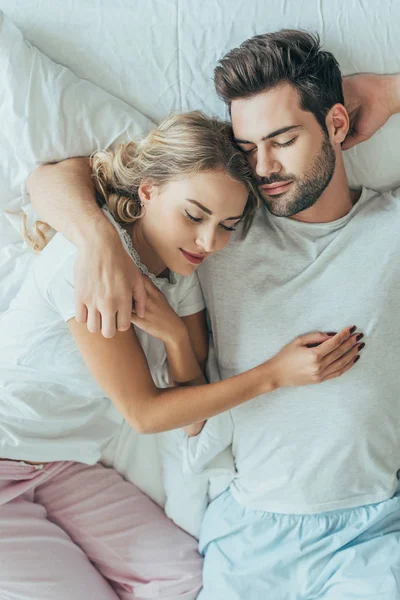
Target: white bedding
column 158, row 56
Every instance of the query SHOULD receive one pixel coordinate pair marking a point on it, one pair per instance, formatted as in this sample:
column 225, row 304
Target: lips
column 195, row 259
column 276, row 188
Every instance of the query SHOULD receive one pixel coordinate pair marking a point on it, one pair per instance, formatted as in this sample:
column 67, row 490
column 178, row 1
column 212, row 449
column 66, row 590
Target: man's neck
column 336, row 201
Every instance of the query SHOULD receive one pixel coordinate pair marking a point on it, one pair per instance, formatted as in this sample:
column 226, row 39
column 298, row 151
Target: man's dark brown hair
column 287, row 56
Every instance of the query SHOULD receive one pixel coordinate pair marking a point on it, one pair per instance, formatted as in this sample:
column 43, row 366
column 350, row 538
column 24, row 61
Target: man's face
column 291, row 157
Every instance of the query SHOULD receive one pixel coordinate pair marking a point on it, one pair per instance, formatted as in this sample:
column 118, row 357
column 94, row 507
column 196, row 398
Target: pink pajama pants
column 70, row 531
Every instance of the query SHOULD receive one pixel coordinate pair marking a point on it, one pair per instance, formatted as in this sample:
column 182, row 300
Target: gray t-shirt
column 322, row 447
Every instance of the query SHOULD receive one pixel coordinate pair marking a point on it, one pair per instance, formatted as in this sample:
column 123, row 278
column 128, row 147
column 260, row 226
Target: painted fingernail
column 361, row 346
column 352, row 329
column 359, row 337
column 331, row 333
column 356, row 359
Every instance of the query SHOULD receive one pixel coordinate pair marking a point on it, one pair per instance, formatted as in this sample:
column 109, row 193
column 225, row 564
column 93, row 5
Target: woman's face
column 188, row 219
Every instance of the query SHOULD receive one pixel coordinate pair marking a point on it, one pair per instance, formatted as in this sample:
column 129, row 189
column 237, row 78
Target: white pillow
column 47, row 114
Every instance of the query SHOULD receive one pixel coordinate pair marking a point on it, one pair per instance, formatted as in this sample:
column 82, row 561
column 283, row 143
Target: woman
column 174, row 199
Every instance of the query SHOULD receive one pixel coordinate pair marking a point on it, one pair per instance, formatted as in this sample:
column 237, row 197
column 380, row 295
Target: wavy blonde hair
column 182, row 145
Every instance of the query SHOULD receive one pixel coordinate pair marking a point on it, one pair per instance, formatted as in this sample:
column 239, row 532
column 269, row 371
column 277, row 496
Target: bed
column 77, row 76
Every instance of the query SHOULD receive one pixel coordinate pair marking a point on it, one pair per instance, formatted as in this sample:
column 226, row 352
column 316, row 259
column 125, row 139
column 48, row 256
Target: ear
column 338, row 123
column 146, row 191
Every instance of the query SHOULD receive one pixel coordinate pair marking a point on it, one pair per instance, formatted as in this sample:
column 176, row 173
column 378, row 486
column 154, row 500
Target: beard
column 306, row 190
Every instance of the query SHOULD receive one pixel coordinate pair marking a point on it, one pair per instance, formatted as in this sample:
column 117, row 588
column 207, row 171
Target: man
column 320, row 254
column 314, row 510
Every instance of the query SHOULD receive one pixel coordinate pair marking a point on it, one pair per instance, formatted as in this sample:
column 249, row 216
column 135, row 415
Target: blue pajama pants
column 339, row 555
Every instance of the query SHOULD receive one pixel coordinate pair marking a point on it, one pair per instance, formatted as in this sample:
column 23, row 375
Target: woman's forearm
column 394, row 85
column 184, row 369
column 182, row 361
column 180, row 406
column 63, row 196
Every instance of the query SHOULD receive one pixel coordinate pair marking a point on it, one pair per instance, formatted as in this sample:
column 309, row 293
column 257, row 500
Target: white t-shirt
column 51, row 407
column 320, row 447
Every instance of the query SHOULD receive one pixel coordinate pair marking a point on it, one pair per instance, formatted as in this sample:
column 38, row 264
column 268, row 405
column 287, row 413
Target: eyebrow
column 208, row 211
column 271, row 135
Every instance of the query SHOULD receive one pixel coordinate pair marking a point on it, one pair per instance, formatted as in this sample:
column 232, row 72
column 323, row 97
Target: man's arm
column 370, row 100
column 105, row 276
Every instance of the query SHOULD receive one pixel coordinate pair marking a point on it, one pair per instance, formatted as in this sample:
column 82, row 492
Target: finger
column 123, row 317
column 81, row 312
column 352, row 341
column 340, row 372
column 139, row 322
column 353, row 139
column 139, row 295
column 335, row 341
column 94, row 321
column 313, row 339
column 108, row 319
column 150, row 288
column 341, row 362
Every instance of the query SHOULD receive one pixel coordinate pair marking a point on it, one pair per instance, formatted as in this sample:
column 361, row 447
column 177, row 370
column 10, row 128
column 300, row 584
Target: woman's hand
column 159, row 320
column 370, row 100
column 317, row 357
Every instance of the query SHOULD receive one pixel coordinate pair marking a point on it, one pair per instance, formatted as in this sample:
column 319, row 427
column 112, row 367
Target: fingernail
column 352, row 329
column 356, row 359
column 359, row 337
column 361, row 346
column 331, row 333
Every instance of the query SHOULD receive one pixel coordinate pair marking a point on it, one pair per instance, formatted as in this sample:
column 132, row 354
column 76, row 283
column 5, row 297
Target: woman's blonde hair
column 182, row 145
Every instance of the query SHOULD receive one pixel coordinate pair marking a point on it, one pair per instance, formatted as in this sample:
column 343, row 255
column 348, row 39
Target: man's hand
column 106, row 279
column 370, row 100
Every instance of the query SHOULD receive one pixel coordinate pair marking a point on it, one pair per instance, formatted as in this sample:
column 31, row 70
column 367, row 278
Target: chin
column 185, row 270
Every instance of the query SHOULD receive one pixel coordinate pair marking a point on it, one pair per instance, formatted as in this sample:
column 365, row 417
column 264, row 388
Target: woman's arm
column 105, row 276
column 120, row 367
column 187, row 359
column 185, row 340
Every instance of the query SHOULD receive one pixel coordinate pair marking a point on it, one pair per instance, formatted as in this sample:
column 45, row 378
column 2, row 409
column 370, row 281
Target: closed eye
column 228, row 228
column 192, row 218
column 199, row 219
column 248, row 151
column 286, row 144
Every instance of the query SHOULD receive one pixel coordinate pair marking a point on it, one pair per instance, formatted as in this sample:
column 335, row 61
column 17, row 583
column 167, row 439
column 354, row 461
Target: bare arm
column 105, row 277
column 370, row 100
column 187, row 358
column 120, row 367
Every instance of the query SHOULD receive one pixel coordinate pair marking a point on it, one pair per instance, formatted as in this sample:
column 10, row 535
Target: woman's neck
column 148, row 256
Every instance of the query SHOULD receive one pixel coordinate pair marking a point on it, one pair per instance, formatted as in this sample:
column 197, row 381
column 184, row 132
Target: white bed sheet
column 158, row 56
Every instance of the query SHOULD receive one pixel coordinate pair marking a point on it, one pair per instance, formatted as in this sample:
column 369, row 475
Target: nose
column 266, row 164
column 207, row 238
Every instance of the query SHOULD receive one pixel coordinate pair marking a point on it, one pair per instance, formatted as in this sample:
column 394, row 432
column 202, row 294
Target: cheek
column 305, row 156
column 222, row 240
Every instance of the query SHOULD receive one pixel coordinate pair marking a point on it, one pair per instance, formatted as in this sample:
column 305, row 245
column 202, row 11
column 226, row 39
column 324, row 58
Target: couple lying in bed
column 297, row 273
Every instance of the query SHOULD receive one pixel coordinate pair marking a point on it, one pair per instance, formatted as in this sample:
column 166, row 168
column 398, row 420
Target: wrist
column 178, row 337
column 393, row 92
column 99, row 231
column 271, row 375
